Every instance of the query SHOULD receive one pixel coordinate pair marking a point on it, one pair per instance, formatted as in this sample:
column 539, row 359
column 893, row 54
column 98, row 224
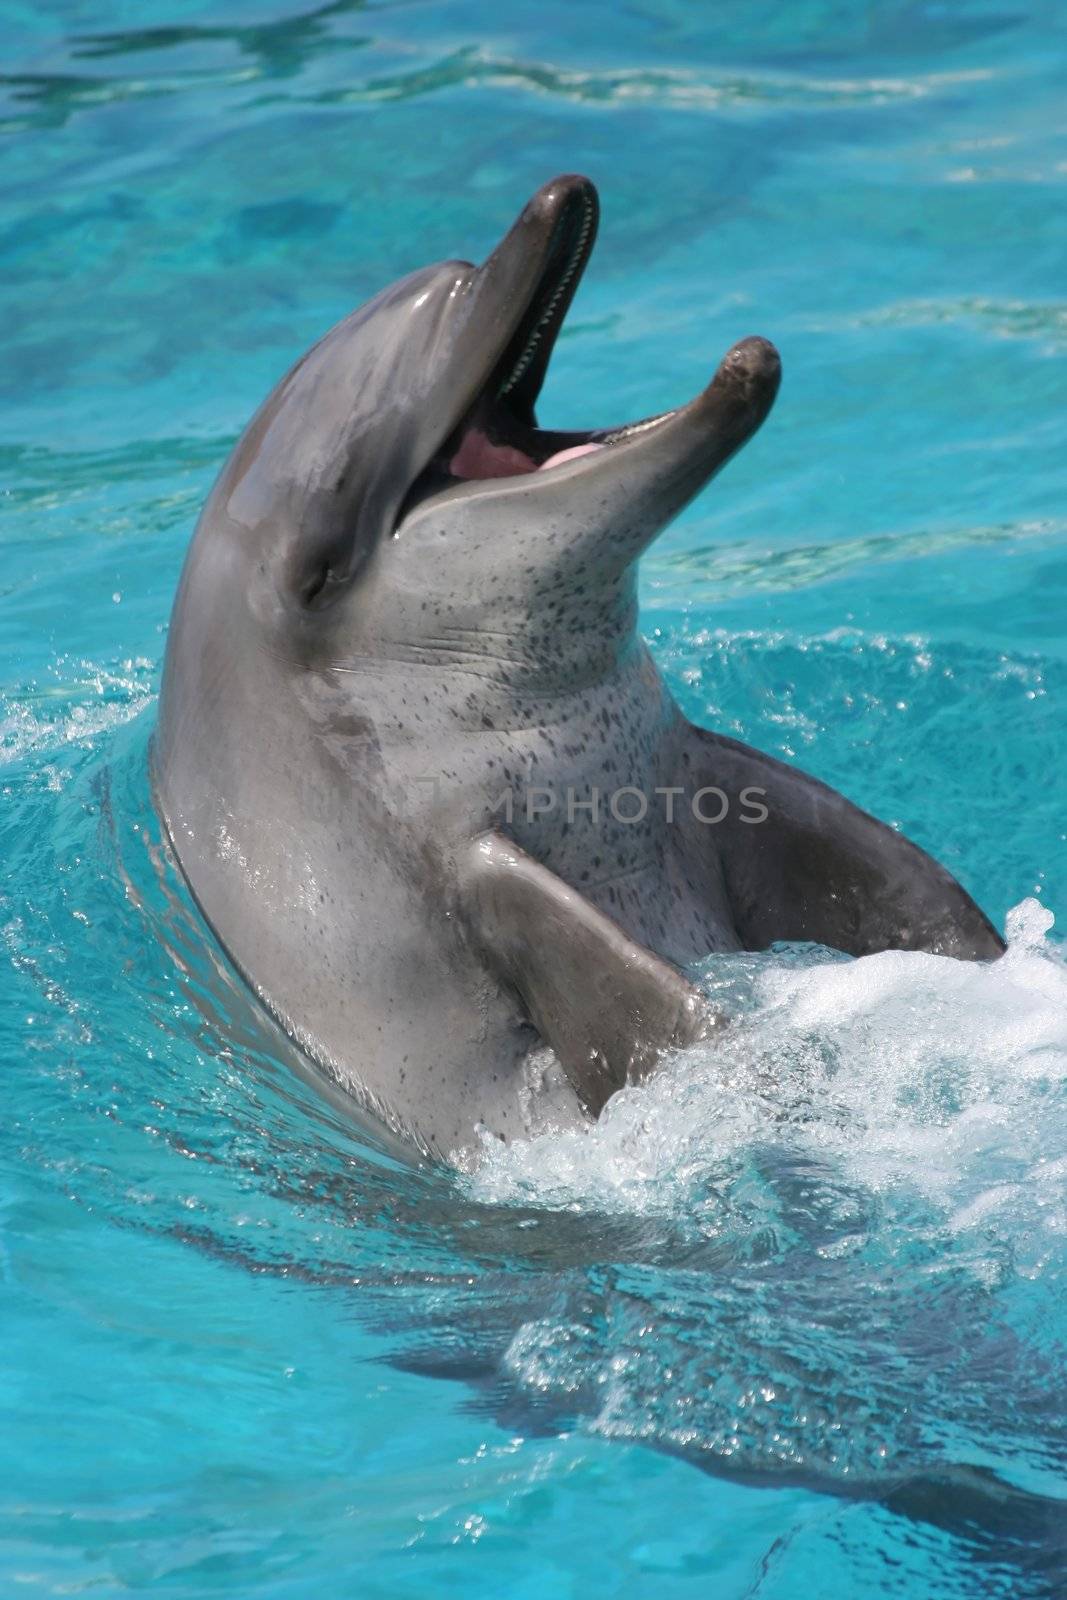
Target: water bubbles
column 1027, row 925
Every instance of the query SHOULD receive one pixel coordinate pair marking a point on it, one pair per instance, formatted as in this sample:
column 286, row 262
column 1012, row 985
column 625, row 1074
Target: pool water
column 791, row 1320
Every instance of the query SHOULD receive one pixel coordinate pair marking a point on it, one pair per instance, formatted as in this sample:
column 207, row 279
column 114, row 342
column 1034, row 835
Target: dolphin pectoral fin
column 800, row 862
column 607, row 1006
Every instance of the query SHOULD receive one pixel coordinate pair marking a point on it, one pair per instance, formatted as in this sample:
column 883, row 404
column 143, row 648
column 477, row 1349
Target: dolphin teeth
column 563, row 283
column 631, row 429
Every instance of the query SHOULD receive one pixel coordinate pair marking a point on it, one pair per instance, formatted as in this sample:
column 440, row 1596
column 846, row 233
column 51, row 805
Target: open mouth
column 522, row 295
column 498, row 436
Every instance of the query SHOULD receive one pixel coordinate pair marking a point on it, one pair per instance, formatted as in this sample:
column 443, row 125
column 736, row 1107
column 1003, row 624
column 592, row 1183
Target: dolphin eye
column 311, row 590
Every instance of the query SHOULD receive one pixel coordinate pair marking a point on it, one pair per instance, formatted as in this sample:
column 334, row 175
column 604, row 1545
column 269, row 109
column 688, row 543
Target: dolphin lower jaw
column 605, row 505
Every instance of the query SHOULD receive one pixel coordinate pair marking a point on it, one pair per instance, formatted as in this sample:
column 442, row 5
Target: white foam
column 902, row 1074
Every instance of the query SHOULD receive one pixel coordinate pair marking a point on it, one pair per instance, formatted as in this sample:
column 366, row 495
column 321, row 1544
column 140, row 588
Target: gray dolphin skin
column 417, row 765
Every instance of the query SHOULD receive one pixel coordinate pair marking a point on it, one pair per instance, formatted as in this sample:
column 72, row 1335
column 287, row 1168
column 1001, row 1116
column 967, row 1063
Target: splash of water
column 903, row 1071
column 860, row 1179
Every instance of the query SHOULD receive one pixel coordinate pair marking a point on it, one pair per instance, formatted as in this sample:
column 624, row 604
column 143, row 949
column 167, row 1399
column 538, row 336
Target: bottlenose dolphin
column 415, row 761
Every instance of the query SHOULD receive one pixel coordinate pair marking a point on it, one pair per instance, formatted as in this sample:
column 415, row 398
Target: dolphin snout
column 742, row 391
column 754, row 367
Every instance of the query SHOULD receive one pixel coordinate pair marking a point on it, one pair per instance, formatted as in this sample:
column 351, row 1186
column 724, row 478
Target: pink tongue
column 479, row 457
column 572, row 454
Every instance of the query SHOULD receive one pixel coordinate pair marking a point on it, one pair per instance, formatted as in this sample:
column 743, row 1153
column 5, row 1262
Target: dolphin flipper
column 607, row 1006
column 818, row 868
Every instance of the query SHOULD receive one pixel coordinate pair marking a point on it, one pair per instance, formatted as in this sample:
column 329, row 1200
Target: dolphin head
column 395, row 497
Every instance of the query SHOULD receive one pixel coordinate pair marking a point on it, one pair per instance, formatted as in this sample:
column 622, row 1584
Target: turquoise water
column 791, row 1321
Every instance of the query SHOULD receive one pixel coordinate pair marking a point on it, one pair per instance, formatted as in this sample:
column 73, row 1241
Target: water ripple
column 666, row 89
column 740, row 569
column 281, row 51
column 280, row 48
column 1005, row 319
